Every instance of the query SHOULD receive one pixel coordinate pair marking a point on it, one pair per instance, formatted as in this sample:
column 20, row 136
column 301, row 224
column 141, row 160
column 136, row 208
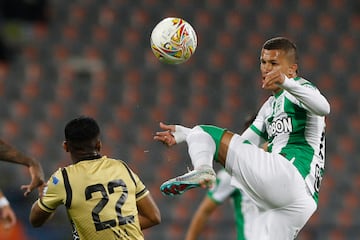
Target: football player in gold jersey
column 104, row 198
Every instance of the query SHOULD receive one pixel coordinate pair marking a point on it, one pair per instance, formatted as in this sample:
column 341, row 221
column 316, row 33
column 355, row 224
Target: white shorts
column 275, row 185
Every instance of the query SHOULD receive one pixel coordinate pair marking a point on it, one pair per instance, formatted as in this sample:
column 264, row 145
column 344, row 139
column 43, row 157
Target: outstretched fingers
column 37, row 181
column 167, row 127
column 166, row 136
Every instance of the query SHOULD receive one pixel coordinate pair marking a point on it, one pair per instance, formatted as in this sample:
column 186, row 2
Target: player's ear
column 65, row 146
column 293, row 70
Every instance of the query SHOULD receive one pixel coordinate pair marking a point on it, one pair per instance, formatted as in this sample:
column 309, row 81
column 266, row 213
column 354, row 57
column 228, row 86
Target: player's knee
column 198, row 134
column 201, row 139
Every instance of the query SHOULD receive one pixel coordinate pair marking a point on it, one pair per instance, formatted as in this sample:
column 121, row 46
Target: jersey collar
column 276, row 95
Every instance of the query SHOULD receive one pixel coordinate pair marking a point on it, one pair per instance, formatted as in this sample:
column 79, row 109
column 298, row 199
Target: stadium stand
column 93, row 57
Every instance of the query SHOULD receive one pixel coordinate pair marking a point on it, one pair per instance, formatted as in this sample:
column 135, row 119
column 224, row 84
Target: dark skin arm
column 38, row 216
column 149, row 213
column 10, row 154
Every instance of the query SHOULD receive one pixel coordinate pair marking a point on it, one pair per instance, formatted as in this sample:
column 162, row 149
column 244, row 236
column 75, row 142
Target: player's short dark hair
column 282, row 43
column 81, row 129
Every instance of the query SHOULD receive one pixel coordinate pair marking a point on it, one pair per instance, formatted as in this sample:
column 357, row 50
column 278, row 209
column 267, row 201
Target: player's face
column 272, row 60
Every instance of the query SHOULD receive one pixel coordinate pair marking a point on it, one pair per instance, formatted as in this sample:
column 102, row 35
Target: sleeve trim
column 67, row 188
column 142, row 194
column 44, row 207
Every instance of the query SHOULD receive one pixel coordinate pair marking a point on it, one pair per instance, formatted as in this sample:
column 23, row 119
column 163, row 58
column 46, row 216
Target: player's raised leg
column 202, row 146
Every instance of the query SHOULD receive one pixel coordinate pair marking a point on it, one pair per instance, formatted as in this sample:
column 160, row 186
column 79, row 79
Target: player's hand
column 273, row 79
column 206, row 183
column 37, row 180
column 166, row 136
column 8, row 217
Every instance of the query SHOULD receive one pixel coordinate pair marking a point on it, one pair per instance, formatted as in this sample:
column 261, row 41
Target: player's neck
column 86, row 156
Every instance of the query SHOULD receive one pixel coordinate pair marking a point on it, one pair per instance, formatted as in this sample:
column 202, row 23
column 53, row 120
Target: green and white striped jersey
column 293, row 123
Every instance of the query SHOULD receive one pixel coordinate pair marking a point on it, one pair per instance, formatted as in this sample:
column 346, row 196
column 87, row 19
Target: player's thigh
column 270, row 179
column 284, row 223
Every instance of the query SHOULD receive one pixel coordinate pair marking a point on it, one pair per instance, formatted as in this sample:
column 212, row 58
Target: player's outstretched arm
column 149, row 213
column 10, row 154
column 7, row 215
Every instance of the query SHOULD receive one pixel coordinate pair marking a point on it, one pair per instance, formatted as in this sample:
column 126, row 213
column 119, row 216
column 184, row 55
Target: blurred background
column 64, row 58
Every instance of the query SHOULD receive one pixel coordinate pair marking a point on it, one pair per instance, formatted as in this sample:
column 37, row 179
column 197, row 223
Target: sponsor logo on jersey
column 319, row 172
column 283, row 125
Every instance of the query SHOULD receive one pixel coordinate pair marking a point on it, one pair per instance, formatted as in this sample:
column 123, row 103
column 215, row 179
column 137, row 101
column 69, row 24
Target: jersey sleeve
column 308, row 95
column 141, row 190
column 222, row 189
column 54, row 193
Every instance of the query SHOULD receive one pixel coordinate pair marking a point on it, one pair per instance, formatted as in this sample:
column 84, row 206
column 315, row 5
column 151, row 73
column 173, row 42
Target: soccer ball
column 173, row 40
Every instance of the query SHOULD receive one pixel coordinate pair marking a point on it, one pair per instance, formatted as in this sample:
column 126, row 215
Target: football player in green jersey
column 104, row 198
column 283, row 181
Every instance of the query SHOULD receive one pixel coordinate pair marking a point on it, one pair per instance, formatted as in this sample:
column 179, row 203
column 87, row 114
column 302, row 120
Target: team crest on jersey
column 283, row 125
column 278, row 106
column 55, row 180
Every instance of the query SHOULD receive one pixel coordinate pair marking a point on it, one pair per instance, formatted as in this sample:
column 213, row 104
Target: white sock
column 201, row 148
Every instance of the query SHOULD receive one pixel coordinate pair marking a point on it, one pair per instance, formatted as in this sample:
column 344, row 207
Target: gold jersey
column 100, row 196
